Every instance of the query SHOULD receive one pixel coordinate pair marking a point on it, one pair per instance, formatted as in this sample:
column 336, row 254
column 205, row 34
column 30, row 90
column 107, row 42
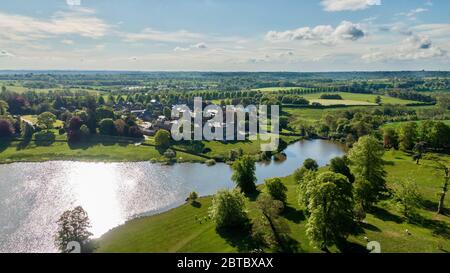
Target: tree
column 444, row 102
column 162, row 139
column 367, row 162
column 331, row 205
column 228, row 209
column 3, row 107
column 46, row 120
column 276, row 189
column 269, row 228
column 73, row 226
column 73, row 134
column 84, row 131
column 390, row 138
column 6, row 128
column 378, row 100
column 167, row 112
column 408, row 135
column 441, row 165
column 193, row 196
column 107, row 127
column 311, row 164
column 408, row 197
column 340, row 165
column 244, row 174
column 101, row 100
column 104, row 112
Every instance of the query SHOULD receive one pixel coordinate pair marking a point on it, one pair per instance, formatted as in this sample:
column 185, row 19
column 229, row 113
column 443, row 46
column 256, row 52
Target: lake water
column 34, row 195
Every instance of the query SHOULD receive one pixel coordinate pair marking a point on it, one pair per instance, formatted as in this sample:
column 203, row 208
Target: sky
column 225, row 35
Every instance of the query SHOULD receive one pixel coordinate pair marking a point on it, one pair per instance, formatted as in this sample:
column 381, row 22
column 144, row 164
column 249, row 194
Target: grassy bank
column 115, row 149
column 187, row 229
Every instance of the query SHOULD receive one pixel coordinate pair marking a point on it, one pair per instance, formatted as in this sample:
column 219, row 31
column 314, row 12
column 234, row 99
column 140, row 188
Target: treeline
column 348, row 125
column 411, row 95
column 434, row 135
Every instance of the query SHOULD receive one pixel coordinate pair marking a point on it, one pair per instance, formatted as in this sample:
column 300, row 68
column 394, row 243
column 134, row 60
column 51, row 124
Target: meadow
column 188, row 228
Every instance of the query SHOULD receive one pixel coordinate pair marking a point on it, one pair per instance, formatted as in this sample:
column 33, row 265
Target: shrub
column 210, row 162
column 170, row 154
column 107, row 127
column 331, row 97
column 162, row 139
column 44, row 138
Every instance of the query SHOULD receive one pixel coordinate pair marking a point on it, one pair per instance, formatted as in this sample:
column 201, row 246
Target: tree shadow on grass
column 293, row 215
column 196, row 204
column 438, row 228
column 240, row 238
column 385, row 215
column 254, row 195
column 361, row 228
column 351, row 247
column 5, row 142
column 433, row 206
column 289, row 245
column 23, row 143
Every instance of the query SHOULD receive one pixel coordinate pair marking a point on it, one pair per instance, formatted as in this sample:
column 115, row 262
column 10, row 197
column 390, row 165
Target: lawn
column 98, row 148
column 33, row 120
column 187, row 229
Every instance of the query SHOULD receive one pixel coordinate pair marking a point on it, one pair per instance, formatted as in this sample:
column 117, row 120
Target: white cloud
column 4, row 53
column 150, row 34
column 413, row 48
column 340, row 5
column 412, row 14
column 322, row 33
column 80, row 22
column 73, row 2
column 181, row 49
column 67, row 42
column 200, row 46
column 434, row 30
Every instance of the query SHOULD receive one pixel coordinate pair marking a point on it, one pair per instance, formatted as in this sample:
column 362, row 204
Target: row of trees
column 418, row 136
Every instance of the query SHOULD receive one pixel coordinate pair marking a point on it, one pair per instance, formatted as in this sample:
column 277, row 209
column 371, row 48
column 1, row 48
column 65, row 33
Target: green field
column 33, row 119
column 180, row 230
column 396, row 125
column 277, row 89
column 356, row 99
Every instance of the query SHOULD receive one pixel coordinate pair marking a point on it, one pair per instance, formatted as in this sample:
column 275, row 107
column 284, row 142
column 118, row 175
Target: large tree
column 73, row 226
column 268, row 227
column 276, row 189
column 408, row 197
column 331, row 204
column 443, row 167
column 367, row 162
column 340, row 165
column 244, row 174
column 228, row 209
column 6, row 128
column 46, row 120
column 408, row 135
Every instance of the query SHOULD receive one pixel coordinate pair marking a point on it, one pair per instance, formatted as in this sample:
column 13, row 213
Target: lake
column 34, row 195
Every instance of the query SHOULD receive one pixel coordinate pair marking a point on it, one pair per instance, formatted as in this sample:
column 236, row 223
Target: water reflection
column 34, row 195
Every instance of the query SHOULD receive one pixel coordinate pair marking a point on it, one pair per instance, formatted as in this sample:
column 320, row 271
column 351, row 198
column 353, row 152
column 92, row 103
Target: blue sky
column 225, row 35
